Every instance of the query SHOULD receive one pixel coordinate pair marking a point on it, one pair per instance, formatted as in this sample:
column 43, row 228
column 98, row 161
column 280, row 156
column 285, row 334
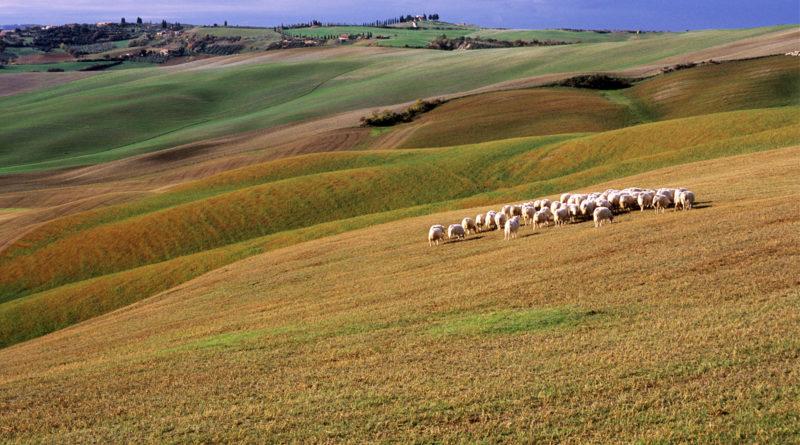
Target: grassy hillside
column 222, row 31
column 234, row 210
column 559, row 35
column 215, row 100
column 758, row 83
column 570, row 334
column 739, row 85
column 516, row 113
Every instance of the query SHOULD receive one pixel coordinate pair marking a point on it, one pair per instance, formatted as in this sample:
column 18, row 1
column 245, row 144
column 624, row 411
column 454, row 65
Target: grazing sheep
column 507, row 210
column 660, row 202
column 626, row 202
column 517, row 210
column 500, row 220
column 565, row 197
column 456, row 231
column 602, row 214
column 479, row 221
column 488, row 221
column 574, row 211
column 601, row 202
column 469, row 225
column 645, row 200
column 527, row 214
column 435, row 233
column 613, row 198
column 511, row 228
column 669, row 193
column 561, row 216
column 685, row 200
column 587, row 207
column 555, row 205
column 542, row 217
column 544, row 203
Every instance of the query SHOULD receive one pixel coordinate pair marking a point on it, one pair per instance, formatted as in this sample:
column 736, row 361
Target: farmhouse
column 344, row 38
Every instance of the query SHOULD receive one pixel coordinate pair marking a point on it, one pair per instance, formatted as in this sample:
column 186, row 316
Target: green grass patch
column 511, row 321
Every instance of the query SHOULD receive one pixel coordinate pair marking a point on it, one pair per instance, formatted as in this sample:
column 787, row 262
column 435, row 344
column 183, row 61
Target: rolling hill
column 570, row 333
column 169, row 107
column 225, row 216
column 219, row 251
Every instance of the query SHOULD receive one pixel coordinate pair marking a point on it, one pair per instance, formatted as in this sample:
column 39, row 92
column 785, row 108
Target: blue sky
column 619, row 14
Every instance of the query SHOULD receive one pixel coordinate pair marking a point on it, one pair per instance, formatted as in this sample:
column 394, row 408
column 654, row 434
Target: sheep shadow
column 473, row 238
column 702, row 205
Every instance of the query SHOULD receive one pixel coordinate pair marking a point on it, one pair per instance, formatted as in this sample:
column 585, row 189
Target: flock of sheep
column 571, row 207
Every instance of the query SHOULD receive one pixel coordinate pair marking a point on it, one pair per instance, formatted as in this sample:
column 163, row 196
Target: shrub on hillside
column 388, row 118
column 595, row 82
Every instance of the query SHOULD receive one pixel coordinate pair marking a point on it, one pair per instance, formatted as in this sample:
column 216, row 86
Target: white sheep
column 645, row 200
column 685, row 200
column 587, row 207
column 479, row 221
column 512, row 227
column 456, row 231
column 488, row 220
column 660, row 202
column 435, row 233
column 527, row 214
column 542, row 217
column 469, row 225
column 507, row 210
column 669, row 193
column 544, row 203
column 500, row 220
column 602, row 214
column 565, row 197
column 626, row 201
column 561, row 216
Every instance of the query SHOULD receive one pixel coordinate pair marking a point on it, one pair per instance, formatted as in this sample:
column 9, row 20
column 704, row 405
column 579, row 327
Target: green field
column 219, row 101
column 69, row 66
column 243, row 32
column 559, row 35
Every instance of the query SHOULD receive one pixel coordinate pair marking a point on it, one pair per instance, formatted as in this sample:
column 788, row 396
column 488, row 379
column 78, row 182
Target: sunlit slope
column 149, row 109
column 729, row 86
column 621, row 334
column 515, row 113
column 738, row 85
column 244, row 211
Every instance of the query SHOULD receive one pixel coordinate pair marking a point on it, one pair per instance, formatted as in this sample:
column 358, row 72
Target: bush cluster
column 388, row 118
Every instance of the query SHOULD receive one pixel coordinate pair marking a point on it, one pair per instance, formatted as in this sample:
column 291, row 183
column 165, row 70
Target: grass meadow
column 236, row 208
column 565, row 334
column 169, row 107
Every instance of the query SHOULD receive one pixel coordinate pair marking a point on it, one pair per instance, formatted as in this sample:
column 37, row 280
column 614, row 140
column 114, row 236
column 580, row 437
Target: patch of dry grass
column 680, row 335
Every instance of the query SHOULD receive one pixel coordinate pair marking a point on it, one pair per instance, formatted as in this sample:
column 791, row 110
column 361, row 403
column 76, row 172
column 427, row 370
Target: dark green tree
column 139, row 21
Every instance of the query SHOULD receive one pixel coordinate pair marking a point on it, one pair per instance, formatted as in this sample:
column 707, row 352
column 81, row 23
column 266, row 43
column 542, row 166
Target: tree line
column 376, row 24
